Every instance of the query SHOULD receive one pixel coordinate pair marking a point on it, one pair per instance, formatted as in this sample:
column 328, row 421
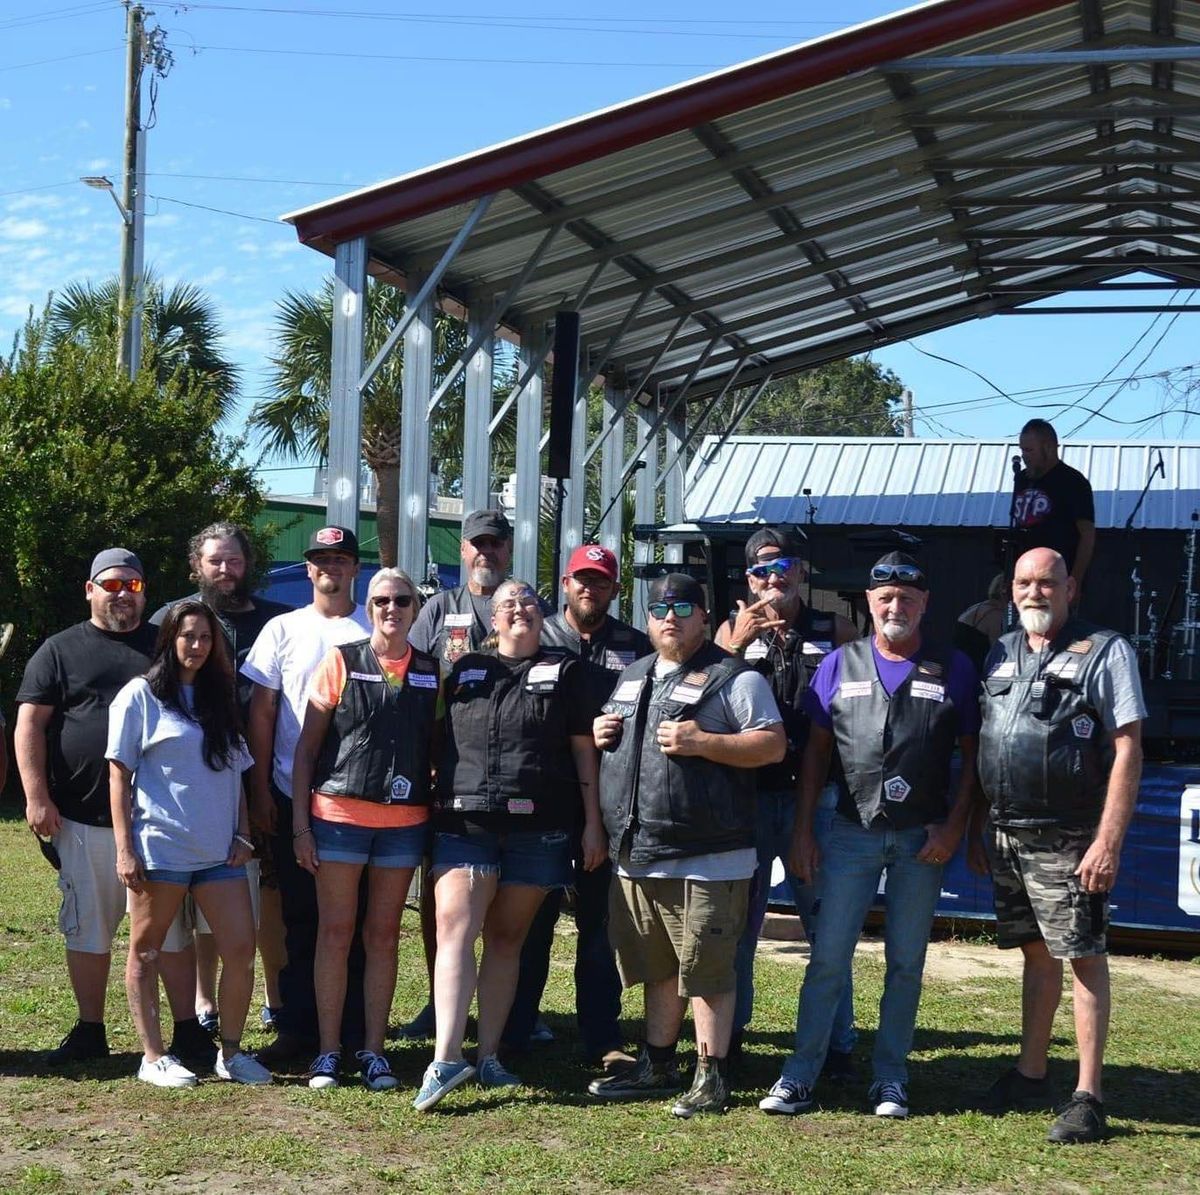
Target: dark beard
column 236, row 599
column 587, row 620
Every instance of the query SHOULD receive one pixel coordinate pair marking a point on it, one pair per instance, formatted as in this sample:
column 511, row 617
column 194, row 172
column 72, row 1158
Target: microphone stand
column 1010, row 609
column 1161, row 469
column 810, row 517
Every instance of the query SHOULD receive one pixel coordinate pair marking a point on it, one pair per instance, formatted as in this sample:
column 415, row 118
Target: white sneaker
column 242, row 1068
column 890, row 1098
column 166, row 1071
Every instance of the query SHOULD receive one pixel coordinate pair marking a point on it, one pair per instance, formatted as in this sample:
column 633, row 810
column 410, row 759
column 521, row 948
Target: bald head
column 1042, row 592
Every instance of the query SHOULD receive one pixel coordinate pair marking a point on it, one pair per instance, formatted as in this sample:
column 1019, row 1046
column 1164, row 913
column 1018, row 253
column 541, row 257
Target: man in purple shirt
column 893, row 707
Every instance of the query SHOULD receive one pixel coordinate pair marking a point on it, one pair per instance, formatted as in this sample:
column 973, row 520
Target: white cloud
column 12, row 229
column 97, row 164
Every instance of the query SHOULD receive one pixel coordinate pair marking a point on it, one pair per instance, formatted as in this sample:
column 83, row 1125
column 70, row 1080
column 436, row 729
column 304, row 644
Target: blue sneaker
column 492, row 1073
column 267, row 1017
column 440, row 1079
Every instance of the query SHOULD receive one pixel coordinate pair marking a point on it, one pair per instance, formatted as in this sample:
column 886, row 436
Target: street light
column 100, row 183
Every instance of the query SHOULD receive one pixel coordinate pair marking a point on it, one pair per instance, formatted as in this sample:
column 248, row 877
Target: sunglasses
column 49, row 851
column 115, row 584
column 903, row 574
column 772, row 568
column 403, row 600
column 660, row 610
column 526, row 602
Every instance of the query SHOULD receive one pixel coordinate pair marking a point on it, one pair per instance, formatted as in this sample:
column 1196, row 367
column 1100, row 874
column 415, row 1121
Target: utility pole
column 907, row 421
column 133, row 194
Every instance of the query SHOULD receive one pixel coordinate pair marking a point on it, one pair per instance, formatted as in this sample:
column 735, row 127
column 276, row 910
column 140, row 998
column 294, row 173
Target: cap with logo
column 486, row 522
column 333, row 539
column 593, row 558
column 769, row 537
column 115, row 558
column 897, row 568
column 677, row 587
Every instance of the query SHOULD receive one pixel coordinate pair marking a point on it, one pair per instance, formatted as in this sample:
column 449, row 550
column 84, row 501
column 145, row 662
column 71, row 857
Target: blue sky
column 273, row 105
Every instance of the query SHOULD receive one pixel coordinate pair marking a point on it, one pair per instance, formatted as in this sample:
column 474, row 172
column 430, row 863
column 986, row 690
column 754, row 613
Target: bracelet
column 243, row 840
column 737, row 651
column 301, row 833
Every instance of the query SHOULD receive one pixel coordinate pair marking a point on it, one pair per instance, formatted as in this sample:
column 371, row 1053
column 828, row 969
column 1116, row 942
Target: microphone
column 1016, row 466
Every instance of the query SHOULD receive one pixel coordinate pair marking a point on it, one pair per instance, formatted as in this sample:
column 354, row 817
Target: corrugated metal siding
column 924, row 483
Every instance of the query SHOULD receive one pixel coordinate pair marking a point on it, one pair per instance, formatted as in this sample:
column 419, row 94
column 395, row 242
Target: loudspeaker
column 564, row 384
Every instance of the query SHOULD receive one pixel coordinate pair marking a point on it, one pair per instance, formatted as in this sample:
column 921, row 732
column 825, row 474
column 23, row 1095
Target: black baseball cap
column 332, row 539
column 115, row 558
column 770, row 537
column 678, row 587
column 486, row 522
column 897, row 568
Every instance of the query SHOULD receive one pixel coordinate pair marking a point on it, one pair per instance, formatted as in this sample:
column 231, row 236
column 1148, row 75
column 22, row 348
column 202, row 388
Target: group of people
column 511, row 754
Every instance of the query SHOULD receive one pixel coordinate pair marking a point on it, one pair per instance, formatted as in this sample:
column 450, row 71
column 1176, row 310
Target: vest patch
column 695, row 678
column 627, row 691
column 755, row 651
column 686, row 694
column 1083, row 726
column 470, row 676
column 422, row 680
column 365, row 676
column 928, row 690
column 930, row 668
column 896, row 789
column 401, row 787
column 458, row 620
column 817, row 647
column 520, row 805
column 1004, row 668
column 618, row 661
column 458, row 643
column 1080, row 647
column 544, row 673
column 855, row 688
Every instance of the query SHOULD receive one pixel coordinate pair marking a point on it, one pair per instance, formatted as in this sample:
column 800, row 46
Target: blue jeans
column 773, row 835
column 851, row 865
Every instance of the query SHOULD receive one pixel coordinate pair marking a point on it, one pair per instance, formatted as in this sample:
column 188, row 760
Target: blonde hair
column 392, row 574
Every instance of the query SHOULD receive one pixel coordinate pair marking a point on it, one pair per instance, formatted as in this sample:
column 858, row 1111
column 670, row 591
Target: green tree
column 854, row 397
column 294, row 419
column 180, row 333
column 92, row 459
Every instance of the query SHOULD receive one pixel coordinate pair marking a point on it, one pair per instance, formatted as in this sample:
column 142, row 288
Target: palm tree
column 294, row 420
column 180, row 332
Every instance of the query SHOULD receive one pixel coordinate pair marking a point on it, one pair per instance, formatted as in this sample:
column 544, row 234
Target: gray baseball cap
column 115, row 558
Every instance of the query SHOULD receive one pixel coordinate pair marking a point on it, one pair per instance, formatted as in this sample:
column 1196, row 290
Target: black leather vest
column 614, row 647
column 788, row 661
column 894, row 751
column 672, row 806
column 378, row 744
column 507, row 747
column 1044, row 752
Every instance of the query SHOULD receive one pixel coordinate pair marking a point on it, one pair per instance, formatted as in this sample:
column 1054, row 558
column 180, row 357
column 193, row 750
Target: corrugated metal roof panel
column 887, row 482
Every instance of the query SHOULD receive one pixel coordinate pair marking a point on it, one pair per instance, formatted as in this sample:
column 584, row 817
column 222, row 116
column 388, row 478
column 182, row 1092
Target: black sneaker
column 1015, row 1092
column 1081, row 1120
column 839, row 1067
column 193, row 1045
column 86, row 1041
column 709, row 1091
column 644, row 1080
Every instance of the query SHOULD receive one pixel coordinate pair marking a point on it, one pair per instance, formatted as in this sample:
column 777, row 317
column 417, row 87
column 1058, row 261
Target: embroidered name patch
column 928, row 690
column 401, row 787
column 854, row 688
column 1083, row 726
column 1004, row 668
column 618, row 661
column 817, row 647
column 627, row 691
column 469, row 676
column 520, row 805
column 755, row 651
column 686, row 694
column 896, row 789
column 365, row 676
column 544, row 673
column 459, row 620
column 422, row 680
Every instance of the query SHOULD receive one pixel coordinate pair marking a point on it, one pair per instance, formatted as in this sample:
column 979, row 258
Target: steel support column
column 414, row 431
column 675, row 435
column 574, row 502
column 644, row 503
column 612, row 505
column 529, row 469
column 345, row 398
column 477, row 441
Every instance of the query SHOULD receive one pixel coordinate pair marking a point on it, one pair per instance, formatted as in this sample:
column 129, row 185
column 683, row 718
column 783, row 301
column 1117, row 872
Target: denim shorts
column 193, row 879
column 396, row 846
column 539, row 858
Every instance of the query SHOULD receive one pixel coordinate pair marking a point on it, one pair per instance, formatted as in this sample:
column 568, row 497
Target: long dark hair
column 214, row 705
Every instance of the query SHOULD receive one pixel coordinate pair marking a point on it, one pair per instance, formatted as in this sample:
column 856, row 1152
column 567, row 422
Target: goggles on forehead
column 772, row 568
column 899, row 574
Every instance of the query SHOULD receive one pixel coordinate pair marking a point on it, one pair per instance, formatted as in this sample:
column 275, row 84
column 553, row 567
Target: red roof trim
column 658, row 116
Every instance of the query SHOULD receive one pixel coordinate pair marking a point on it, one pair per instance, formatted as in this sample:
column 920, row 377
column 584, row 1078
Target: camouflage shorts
column 1037, row 893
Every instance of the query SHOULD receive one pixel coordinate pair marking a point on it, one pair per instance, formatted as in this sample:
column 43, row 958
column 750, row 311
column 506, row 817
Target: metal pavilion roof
column 887, row 482
column 961, row 158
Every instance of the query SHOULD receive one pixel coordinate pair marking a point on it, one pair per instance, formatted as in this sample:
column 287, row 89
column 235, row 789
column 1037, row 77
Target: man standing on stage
column 1052, row 503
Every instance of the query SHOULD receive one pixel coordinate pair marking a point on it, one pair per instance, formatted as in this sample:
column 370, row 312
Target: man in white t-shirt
column 283, row 658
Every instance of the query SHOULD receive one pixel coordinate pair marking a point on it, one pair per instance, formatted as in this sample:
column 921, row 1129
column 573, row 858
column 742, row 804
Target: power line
column 219, row 210
column 16, row 66
column 56, row 14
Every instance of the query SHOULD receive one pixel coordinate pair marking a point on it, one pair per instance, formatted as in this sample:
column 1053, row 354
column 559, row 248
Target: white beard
column 1036, row 621
column 894, row 632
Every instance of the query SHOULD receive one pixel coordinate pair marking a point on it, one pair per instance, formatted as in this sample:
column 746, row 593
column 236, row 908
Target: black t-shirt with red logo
column 1047, row 508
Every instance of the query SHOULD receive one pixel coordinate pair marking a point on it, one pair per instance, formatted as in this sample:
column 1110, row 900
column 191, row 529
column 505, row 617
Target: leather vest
column 894, row 751
column 508, row 746
column 788, row 661
column 1044, row 752
column 378, row 744
column 672, row 806
column 614, row 647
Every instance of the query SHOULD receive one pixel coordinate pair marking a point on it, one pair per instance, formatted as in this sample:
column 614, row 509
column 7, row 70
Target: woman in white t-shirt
column 176, row 757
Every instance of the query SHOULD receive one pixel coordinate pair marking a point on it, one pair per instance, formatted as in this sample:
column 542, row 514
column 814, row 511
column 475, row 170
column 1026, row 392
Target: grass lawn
column 96, row 1129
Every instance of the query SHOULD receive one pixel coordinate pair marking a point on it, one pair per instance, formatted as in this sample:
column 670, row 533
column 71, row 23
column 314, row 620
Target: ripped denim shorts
column 539, row 858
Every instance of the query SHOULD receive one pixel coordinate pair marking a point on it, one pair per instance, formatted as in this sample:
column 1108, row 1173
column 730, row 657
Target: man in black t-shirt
column 60, row 737
column 1052, row 503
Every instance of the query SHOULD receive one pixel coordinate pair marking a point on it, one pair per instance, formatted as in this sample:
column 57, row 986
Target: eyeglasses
column 526, row 602
column 772, row 568
column 660, row 610
column 902, row 574
column 403, row 600
column 116, row 584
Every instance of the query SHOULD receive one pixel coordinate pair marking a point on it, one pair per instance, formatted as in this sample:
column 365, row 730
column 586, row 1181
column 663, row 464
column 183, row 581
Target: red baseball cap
column 593, row 558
